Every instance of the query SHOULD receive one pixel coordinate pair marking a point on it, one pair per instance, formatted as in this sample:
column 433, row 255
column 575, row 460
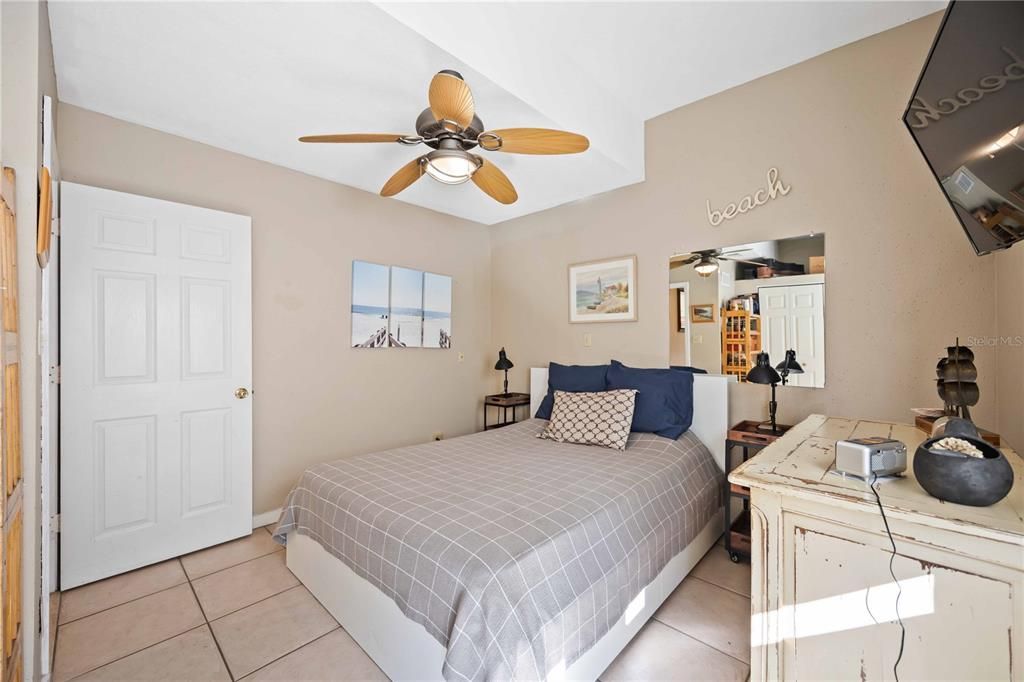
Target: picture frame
column 603, row 290
column 702, row 312
column 399, row 307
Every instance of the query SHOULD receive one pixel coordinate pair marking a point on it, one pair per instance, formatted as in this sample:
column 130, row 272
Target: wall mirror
column 728, row 304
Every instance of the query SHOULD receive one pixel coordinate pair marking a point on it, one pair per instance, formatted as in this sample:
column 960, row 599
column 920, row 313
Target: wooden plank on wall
column 11, row 498
column 9, row 279
column 12, row 427
column 7, row 187
column 12, row 580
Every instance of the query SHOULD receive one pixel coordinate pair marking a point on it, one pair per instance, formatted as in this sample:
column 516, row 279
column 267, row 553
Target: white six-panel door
column 156, row 370
column 793, row 317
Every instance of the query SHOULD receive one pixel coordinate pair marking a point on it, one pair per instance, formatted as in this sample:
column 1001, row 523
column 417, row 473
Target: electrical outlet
column 588, row 340
column 462, row 356
column 438, row 435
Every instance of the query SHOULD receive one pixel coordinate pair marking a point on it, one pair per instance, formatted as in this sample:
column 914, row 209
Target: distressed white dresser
column 822, row 596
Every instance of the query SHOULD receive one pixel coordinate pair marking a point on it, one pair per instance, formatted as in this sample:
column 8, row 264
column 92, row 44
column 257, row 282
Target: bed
column 503, row 556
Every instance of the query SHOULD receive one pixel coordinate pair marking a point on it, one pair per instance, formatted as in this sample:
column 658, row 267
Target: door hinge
column 55, row 374
column 55, row 523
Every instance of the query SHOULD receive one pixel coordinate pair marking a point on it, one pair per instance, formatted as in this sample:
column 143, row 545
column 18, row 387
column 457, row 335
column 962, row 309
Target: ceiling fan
column 707, row 259
column 451, row 127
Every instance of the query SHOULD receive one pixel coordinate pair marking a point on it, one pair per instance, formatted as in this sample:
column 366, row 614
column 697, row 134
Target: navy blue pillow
column 687, row 368
column 572, row 378
column 664, row 399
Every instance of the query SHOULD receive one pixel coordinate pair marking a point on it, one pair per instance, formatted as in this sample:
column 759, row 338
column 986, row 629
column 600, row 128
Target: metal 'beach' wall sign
column 762, row 196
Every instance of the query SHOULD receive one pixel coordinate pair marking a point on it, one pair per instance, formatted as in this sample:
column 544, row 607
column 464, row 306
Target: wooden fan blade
column 352, row 137
column 406, row 175
column 451, row 100
column 533, row 141
column 687, row 261
column 494, row 183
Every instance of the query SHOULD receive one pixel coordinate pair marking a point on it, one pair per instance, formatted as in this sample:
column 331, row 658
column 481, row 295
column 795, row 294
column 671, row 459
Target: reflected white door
column 793, row 317
column 156, row 343
column 807, row 327
column 774, row 303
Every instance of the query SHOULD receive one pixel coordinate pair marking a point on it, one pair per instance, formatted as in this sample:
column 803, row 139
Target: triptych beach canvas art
column 395, row 307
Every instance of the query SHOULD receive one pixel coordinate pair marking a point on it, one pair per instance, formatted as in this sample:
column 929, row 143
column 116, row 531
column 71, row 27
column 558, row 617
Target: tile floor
column 235, row 612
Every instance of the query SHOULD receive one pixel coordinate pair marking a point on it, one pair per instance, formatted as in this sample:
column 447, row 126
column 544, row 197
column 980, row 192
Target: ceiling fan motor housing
column 429, row 128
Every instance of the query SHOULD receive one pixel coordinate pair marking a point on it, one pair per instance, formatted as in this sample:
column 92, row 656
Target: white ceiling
column 252, row 77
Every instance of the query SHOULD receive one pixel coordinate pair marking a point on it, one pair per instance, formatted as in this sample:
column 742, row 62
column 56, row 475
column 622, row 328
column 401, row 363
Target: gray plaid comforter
column 516, row 553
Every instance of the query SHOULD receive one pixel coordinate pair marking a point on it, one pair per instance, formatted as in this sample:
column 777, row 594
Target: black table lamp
column 764, row 373
column 789, row 366
column 504, row 363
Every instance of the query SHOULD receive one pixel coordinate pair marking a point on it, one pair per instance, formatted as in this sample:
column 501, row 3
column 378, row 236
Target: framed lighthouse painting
column 603, row 291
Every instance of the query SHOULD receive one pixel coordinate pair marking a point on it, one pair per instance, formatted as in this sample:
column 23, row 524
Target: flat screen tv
column 967, row 116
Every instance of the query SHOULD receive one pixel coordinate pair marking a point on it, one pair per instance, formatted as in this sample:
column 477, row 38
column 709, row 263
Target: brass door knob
column 241, row 393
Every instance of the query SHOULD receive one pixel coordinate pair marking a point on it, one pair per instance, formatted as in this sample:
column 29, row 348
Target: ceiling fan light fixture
column 706, row 266
column 451, row 127
column 450, row 166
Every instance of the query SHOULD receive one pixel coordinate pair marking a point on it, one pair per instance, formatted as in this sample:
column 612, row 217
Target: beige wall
column 1009, row 342
column 315, row 398
column 903, row 281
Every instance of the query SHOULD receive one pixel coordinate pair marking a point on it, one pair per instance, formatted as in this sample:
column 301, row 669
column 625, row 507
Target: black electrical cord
column 899, row 588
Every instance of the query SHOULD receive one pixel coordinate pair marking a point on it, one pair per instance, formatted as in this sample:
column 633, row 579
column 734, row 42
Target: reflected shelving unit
column 741, row 342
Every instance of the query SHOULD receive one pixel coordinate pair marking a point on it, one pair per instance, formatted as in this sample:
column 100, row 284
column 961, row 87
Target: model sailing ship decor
column 958, row 381
column 955, row 464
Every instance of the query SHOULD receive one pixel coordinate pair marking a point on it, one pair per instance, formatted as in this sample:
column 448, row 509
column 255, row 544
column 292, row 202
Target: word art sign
column 925, row 112
column 774, row 189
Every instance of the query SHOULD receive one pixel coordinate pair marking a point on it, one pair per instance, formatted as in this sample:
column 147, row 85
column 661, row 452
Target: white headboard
column 710, row 407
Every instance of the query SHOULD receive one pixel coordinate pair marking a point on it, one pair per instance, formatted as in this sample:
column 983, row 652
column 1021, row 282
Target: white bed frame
column 403, row 649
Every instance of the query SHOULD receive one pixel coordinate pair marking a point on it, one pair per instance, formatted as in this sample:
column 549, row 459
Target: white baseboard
column 265, row 518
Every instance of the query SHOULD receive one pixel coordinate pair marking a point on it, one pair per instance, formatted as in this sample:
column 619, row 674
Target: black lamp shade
column 763, row 372
column 503, row 361
column 790, row 364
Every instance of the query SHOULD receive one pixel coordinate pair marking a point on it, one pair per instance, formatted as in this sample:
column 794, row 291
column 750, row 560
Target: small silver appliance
column 867, row 457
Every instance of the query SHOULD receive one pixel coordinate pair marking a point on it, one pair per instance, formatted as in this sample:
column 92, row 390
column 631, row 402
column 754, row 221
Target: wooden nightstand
column 752, row 439
column 504, row 402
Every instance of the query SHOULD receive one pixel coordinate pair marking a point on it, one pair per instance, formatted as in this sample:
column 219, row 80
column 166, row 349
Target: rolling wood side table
column 752, row 439
column 505, row 402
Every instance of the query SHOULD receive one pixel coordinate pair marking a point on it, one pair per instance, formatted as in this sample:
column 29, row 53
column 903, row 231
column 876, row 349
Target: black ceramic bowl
column 950, row 476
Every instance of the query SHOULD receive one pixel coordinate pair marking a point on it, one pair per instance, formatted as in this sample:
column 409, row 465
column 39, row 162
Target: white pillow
column 599, row 418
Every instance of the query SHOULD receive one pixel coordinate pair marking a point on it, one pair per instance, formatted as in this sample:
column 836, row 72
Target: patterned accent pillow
column 599, row 418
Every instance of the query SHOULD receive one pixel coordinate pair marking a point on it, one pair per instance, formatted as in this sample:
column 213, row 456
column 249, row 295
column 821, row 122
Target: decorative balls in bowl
column 963, row 469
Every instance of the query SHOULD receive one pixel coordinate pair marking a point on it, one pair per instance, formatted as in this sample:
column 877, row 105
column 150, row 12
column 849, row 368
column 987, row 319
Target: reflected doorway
column 679, row 324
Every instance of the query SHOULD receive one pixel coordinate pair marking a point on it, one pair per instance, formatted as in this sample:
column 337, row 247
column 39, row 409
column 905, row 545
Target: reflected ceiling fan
column 707, row 260
column 451, row 127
